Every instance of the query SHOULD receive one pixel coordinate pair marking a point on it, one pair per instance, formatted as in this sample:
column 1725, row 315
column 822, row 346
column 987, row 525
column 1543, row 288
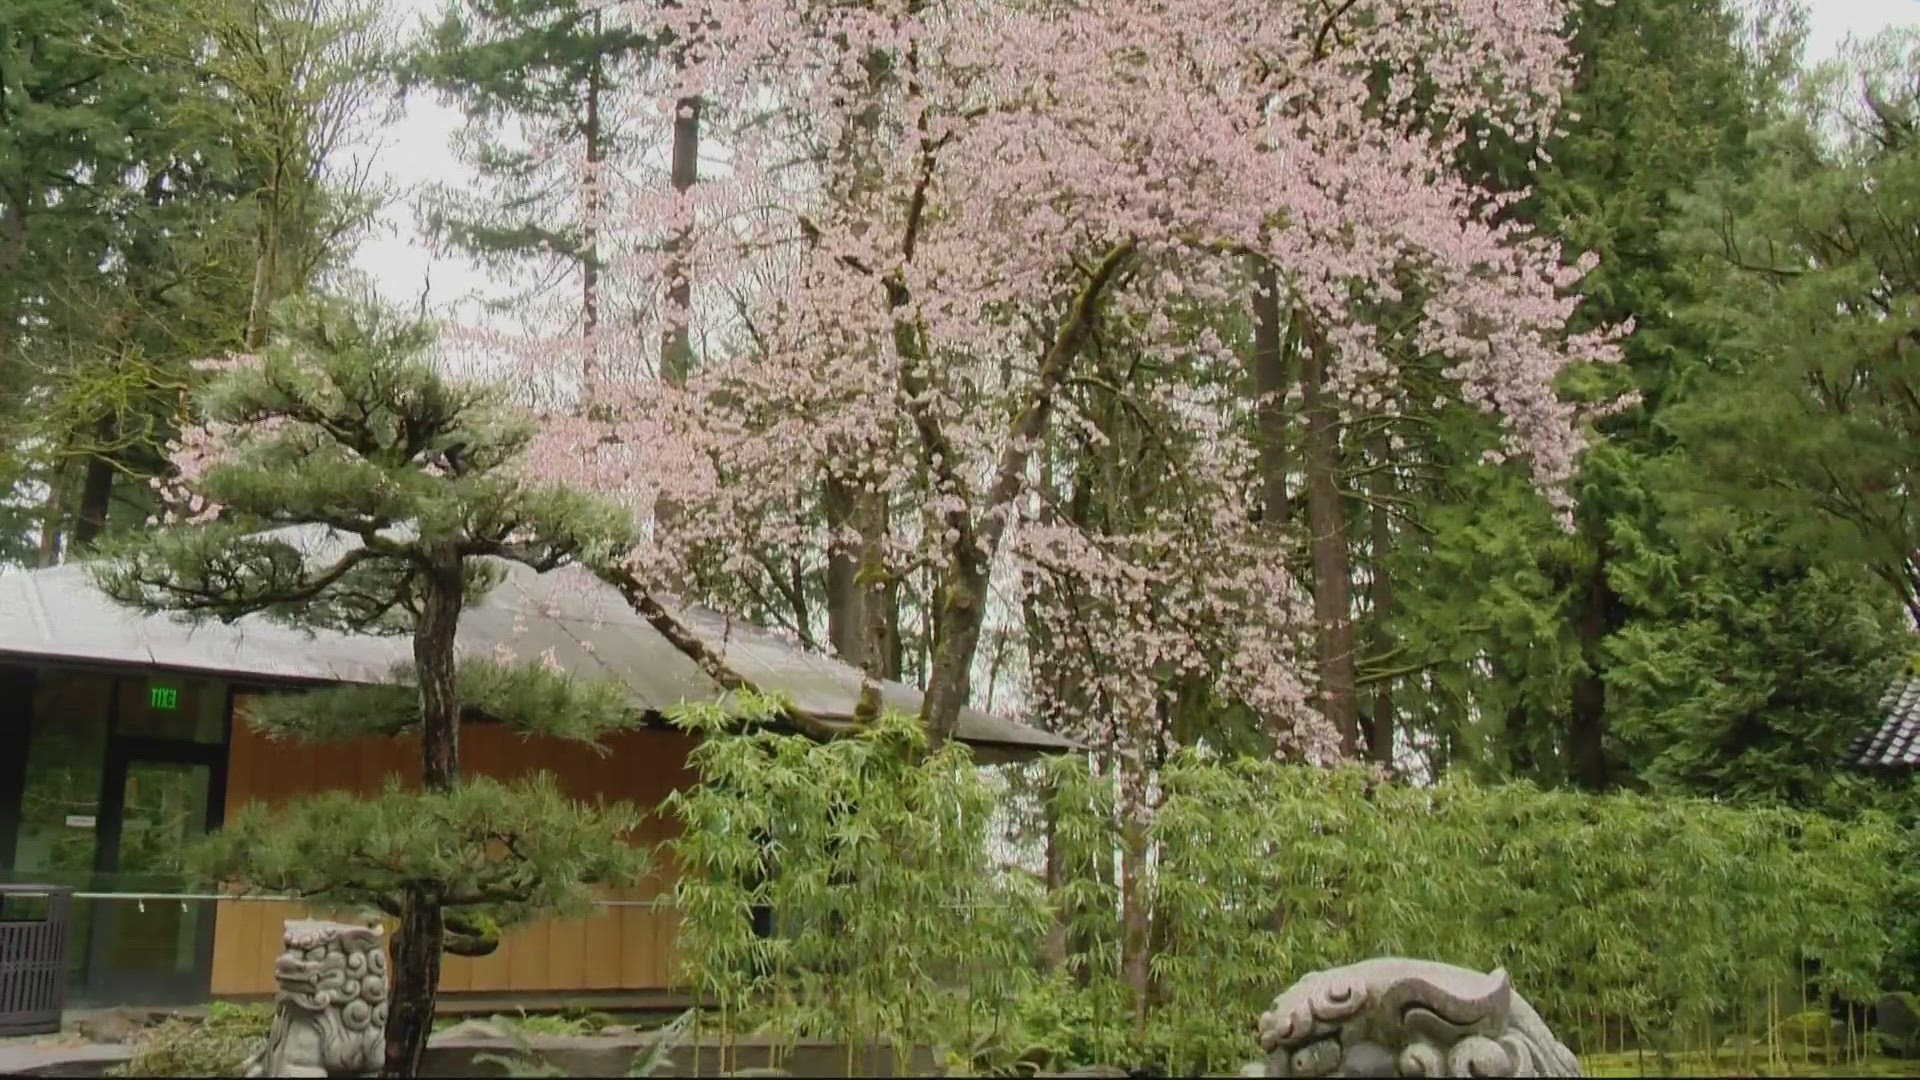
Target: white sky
column 416, row 149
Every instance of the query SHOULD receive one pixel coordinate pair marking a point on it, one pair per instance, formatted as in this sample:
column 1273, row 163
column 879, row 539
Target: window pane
column 60, row 804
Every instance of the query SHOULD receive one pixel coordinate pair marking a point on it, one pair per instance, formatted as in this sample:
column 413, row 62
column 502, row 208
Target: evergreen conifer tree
column 342, row 426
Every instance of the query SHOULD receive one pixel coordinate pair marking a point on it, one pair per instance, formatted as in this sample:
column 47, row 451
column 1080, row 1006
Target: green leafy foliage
column 345, row 424
column 1670, row 911
column 1642, row 629
column 1680, row 914
column 551, row 69
column 160, row 170
column 891, row 925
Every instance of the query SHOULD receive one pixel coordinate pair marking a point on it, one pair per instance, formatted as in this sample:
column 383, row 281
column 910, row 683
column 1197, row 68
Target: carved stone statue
column 330, row 1017
column 1396, row 1017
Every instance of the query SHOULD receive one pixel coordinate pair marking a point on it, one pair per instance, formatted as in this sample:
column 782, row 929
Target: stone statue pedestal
column 330, row 1016
column 1399, row 1017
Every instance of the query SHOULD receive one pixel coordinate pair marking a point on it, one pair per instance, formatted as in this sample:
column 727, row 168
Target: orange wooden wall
column 618, row 948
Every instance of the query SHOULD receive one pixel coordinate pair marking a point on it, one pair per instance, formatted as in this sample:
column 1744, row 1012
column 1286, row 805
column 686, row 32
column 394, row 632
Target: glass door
column 143, row 947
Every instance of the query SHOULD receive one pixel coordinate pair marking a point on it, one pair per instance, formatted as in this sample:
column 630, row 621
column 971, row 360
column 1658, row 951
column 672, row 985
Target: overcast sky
column 416, row 149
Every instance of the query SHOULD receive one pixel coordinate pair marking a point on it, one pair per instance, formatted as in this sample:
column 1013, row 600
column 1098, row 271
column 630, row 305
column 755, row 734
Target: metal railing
column 184, row 898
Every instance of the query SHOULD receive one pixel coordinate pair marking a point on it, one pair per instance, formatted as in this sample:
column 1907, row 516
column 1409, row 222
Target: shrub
column 216, row 1046
column 894, row 923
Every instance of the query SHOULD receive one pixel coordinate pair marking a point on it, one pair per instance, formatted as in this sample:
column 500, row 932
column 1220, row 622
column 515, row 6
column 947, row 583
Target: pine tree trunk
column 13, row 251
column 1055, row 948
column 676, row 342
column 416, row 983
column 1327, row 546
column 421, row 936
column 96, row 497
column 1134, row 961
column 264, row 267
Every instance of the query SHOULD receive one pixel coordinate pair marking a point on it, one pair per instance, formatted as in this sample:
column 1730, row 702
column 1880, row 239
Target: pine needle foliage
column 496, row 852
column 528, row 698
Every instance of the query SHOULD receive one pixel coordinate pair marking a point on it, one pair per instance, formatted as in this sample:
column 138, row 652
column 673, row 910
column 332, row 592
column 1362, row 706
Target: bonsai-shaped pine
column 342, row 483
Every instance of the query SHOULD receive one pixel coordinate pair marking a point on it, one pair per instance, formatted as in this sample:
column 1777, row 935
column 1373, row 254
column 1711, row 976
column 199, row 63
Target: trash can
column 35, row 923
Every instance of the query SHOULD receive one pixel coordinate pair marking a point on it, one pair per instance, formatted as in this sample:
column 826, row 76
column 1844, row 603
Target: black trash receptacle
column 35, row 922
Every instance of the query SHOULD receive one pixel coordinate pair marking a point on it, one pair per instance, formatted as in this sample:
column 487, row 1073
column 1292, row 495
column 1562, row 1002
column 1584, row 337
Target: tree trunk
column 1134, row 961
column 1054, row 950
column 1326, row 518
column 422, row 934
column 962, row 605
column 50, row 519
column 676, row 341
column 844, row 598
column 416, row 983
column 434, row 664
column 676, row 347
column 1270, row 383
column 13, row 251
column 96, row 497
column 962, row 602
column 1380, row 731
column 879, row 622
column 96, row 487
column 261, row 301
column 1586, row 733
column 590, row 220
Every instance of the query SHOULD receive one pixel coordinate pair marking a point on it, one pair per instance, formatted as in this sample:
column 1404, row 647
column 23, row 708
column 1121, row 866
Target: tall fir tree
column 537, row 81
column 342, row 427
column 1808, row 288
column 1535, row 650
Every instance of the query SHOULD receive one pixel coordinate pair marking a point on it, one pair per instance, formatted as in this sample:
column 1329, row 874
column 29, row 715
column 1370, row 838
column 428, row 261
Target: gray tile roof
column 57, row 613
column 1896, row 743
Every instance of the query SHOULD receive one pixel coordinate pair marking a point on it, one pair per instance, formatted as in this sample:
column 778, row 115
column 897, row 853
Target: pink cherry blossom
column 912, row 197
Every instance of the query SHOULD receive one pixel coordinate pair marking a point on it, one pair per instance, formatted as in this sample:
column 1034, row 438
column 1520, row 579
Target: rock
column 1896, row 1017
column 1400, row 1017
column 465, row 1030
column 113, row 1026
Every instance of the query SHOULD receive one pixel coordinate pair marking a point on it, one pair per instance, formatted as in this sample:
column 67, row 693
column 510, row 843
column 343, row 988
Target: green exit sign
column 163, row 697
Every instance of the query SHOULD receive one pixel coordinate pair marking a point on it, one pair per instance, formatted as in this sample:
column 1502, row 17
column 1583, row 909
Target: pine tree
column 342, row 424
column 550, row 69
column 1523, row 636
column 1808, row 289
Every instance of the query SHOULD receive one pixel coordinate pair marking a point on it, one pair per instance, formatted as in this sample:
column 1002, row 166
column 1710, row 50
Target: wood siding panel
column 623, row 948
